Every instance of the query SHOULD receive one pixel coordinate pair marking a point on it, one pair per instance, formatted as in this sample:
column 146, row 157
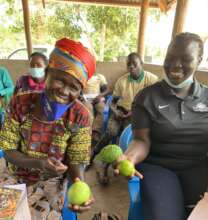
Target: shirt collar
column 140, row 78
column 196, row 89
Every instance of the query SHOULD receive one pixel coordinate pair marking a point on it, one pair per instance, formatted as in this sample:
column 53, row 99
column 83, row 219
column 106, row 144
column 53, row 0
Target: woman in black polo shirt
column 170, row 128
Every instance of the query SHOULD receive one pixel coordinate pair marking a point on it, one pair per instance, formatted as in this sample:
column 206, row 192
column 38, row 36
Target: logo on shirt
column 163, row 106
column 200, row 107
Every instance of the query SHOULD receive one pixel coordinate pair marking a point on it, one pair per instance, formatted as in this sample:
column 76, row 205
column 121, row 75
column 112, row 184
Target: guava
column 126, row 168
column 79, row 193
column 109, row 153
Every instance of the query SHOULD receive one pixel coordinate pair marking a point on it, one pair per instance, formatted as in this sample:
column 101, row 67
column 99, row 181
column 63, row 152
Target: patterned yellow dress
column 68, row 139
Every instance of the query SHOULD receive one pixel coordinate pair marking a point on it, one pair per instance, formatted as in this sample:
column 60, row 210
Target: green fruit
column 79, row 193
column 126, row 168
column 109, row 153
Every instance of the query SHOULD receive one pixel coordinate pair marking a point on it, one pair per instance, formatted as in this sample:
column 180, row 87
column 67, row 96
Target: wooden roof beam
column 180, row 16
column 162, row 5
column 111, row 3
column 170, row 4
column 142, row 28
column 43, row 2
column 26, row 15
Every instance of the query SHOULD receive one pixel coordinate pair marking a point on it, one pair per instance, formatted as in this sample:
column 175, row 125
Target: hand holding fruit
column 125, row 167
column 113, row 154
column 79, row 196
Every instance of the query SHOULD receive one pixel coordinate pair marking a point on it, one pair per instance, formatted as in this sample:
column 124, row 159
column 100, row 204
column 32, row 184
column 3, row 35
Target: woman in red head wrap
column 46, row 135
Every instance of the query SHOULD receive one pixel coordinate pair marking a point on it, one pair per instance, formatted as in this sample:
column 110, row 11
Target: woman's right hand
column 53, row 167
column 82, row 208
column 121, row 158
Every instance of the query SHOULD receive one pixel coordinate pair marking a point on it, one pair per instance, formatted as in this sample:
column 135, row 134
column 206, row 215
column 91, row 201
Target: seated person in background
column 95, row 92
column 124, row 92
column 34, row 79
column 6, row 91
column 47, row 135
column 170, row 135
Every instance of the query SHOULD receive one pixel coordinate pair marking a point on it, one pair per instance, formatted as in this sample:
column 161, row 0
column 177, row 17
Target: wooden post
column 43, row 2
column 180, row 16
column 142, row 28
column 26, row 15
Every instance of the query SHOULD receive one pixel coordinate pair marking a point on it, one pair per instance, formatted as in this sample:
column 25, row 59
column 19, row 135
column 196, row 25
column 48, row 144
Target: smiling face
column 182, row 59
column 61, row 87
column 134, row 66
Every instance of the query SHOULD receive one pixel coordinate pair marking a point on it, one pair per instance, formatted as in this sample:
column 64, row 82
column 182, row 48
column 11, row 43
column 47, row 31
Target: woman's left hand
column 82, row 208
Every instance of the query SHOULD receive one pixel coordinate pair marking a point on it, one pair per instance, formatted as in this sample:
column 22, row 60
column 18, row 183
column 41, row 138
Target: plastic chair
column 67, row 214
column 106, row 112
column 106, row 115
column 135, row 208
column 125, row 138
column 1, row 154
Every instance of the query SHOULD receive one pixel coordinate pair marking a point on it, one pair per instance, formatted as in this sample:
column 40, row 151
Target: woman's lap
column 166, row 194
column 194, row 182
column 161, row 194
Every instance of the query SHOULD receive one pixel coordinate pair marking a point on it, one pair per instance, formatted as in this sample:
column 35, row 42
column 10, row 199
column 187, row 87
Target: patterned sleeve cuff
column 78, row 151
column 9, row 135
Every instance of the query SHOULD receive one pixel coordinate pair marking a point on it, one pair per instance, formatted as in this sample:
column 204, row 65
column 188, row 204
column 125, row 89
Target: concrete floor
column 112, row 198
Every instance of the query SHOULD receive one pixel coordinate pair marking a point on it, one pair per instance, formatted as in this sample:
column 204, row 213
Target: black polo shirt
column 179, row 127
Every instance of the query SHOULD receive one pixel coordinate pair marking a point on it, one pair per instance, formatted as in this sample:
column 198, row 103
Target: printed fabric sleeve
column 140, row 116
column 79, row 147
column 9, row 134
column 7, row 82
